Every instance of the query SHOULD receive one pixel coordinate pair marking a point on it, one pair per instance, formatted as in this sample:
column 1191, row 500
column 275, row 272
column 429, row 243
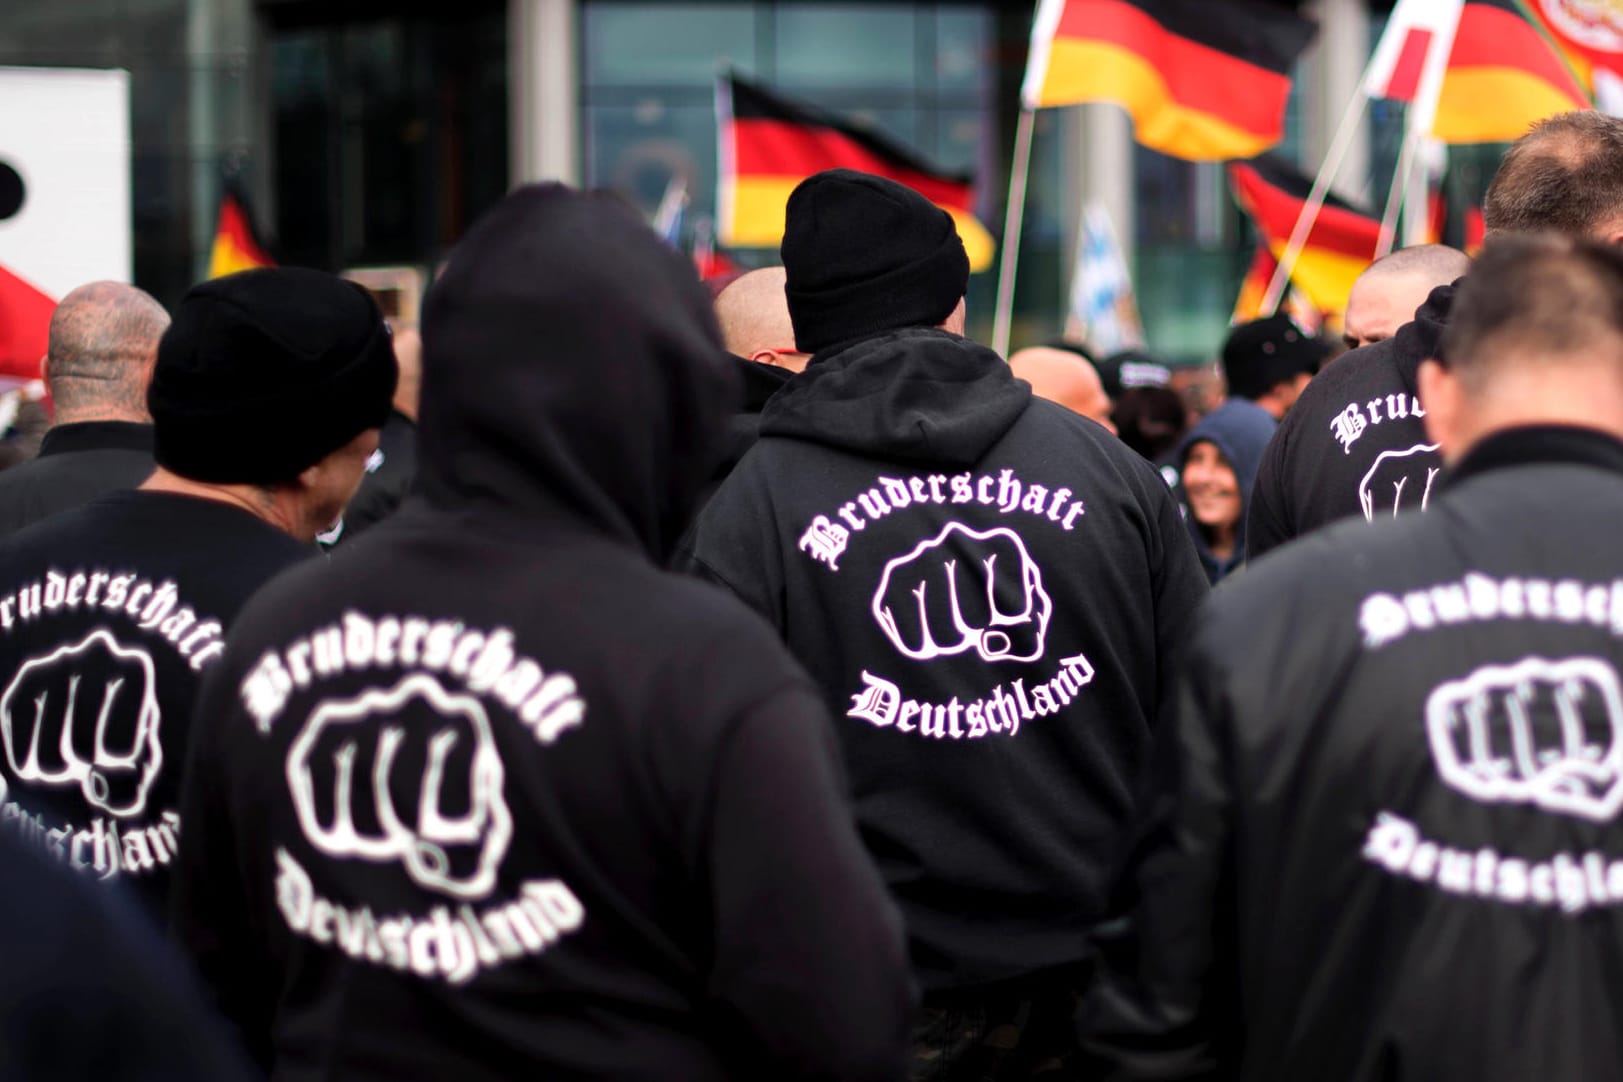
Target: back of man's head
column 103, row 340
column 754, row 315
column 265, row 373
column 1269, row 361
column 865, row 255
column 1386, row 295
column 1535, row 336
column 1565, row 176
column 1066, row 378
column 1537, row 302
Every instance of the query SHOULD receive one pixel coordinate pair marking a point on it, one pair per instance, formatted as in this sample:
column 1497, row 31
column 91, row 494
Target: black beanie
column 865, row 255
column 265, row 372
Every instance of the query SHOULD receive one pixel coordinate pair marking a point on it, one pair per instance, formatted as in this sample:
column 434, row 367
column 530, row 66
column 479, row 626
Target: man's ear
column 1440, row 397
column 310, row 476
column 769, row 357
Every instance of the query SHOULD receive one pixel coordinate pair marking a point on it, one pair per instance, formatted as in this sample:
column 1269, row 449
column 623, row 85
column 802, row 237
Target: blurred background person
column 1271, row 361
column 1218, row 464
column 1064, row 377
column 103, row 342
column 1149, row 415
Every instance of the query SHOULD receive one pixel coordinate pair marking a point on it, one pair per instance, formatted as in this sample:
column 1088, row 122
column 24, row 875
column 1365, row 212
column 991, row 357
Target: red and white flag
column 1412, row 57
column 64, row 197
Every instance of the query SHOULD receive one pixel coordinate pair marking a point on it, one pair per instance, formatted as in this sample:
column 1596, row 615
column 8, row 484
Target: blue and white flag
column 1104, row 313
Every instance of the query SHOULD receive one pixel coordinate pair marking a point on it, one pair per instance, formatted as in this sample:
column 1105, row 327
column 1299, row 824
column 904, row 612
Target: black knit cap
column 264, row 373
column 866, row 255
column 1265, row 352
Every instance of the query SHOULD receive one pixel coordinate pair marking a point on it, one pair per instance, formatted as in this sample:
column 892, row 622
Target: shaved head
column 1061, row 376
column 1386, row 295
column 103, row 342
column 754, row 315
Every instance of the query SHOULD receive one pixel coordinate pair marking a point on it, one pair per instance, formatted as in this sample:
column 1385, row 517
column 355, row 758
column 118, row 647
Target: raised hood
column 572, row 368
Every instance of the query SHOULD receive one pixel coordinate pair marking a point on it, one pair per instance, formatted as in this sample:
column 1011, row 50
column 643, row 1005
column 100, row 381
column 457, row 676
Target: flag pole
column 1012, row 222
column 1339, row 146
column 1407, row 160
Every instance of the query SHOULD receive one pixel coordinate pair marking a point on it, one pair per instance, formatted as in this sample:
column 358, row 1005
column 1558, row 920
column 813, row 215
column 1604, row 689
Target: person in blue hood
column 1218, row 461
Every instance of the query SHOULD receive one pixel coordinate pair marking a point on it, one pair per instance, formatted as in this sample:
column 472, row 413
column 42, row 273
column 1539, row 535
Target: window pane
column 637, row 150
column 846, row 45
column 964, row 60
column 667, row 44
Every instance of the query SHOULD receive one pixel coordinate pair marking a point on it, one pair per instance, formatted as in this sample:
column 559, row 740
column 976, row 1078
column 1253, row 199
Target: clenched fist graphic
column 965, row 590
column 86, row 715
column 1399, row 480
column 1539, row 732
column 412, row 775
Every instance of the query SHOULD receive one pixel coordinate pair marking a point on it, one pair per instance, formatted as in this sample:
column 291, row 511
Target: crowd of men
column 779, row 684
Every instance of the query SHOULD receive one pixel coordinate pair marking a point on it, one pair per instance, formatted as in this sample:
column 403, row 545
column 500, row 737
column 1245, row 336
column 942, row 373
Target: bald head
column 103, row 342
column 1565, row 176
column 754, row 315
column 1061, row 376
column 1386, row 295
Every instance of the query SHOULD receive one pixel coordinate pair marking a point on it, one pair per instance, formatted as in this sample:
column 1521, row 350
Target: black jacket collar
column 1540, row 443
column 97, row 436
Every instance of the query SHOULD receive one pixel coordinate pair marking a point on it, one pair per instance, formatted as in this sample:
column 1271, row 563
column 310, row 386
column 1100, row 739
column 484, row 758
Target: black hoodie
column 1355, row 443
column 490, row 795
column 985, row 585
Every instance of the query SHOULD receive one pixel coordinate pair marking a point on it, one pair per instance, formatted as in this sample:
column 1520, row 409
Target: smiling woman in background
column 1218, row 462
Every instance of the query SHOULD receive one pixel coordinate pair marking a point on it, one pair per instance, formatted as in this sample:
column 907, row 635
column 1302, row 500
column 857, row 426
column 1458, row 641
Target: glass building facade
column 373, row 132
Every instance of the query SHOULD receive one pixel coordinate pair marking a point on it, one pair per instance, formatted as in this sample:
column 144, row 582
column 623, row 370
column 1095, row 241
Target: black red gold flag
column 236, row 243
column 1205, row 80
column 1503, row 77
column 1340, row 245
column 769, row 144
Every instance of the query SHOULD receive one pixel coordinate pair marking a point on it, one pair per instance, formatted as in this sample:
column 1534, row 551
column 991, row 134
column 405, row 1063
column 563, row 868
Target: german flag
column 1339, row 246
column 1204, row 81
column 1503, row 77
column 1254, row 290
column 1590, row 36
column 236, row 243
column 769, row 144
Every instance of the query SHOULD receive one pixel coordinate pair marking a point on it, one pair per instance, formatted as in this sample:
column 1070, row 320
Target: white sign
column 65, row 134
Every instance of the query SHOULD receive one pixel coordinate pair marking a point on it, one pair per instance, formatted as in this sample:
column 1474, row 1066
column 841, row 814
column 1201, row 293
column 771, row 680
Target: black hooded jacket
column 1383, row 839
column 1355, row 443
column 985, row 585
column 490, row 795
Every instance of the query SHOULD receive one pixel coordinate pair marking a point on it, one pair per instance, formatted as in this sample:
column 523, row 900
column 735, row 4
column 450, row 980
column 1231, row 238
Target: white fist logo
column 1399, row 479
column 86, row 715
column 412, row 775
column 1545, row 733
column 965, row 590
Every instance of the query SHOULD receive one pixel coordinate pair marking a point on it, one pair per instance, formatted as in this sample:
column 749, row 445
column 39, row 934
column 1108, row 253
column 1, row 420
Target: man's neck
column 62, row 417
column 267, row 505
